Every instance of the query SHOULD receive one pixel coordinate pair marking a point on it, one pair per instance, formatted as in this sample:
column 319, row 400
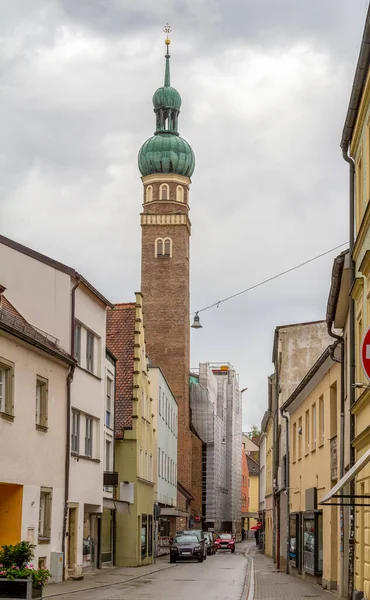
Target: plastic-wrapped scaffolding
column 216, row 417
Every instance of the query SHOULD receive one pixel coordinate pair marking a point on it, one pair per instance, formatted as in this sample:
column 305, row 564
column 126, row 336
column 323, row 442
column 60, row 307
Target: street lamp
column 196, row 323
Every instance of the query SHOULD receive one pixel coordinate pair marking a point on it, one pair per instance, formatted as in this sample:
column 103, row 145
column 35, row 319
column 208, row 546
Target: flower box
column 19, row 589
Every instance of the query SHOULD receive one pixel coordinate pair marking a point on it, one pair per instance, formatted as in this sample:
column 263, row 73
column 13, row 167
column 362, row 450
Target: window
column 75, row 435
column 159, row 247
column 299, row 438
column 307, row 431
column 90, row 352
column 147, row 406
column 151, row 467
column 167, row 247
column 45, row 515
column 149, row 193
column 321, row 420
column 41, row 403
column 146, row 474
column 6, row 387
column 294, row 436
column 163, row 247
column 180, row 193
column 164, row 191
column 160, row 401
column 159, row 463
column 163, row 471
column 143, row 411
column 108, row 408
column 77, row 343
column 333, row 410
column 108, row 454
column 89, row 436
column 314, row 426
column 141, row 462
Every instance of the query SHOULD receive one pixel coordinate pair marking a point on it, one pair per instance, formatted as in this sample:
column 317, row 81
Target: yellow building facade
column 314, row 430
column 269, row 510
column 135, row 443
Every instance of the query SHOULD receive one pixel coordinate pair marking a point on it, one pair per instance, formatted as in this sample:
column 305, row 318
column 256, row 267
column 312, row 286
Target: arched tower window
column 159, row 247
column 180, row 193
column 163, row 247
column 164, row 192
column 149, row 193
column 168, row 247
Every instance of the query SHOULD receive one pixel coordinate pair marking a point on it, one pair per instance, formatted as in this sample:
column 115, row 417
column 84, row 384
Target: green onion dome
column 167, row 97
column 166, row 153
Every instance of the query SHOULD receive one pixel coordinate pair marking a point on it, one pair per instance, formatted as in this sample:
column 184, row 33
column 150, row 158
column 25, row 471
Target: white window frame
column 90, row 343
column 75, row 432
column 89, row 436
column 6, row 387
column 45, row 513
column 109, row 404
column 41, row 403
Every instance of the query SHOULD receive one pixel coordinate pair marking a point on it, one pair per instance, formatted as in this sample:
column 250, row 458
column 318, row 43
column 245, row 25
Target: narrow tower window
column 149, row 193
column 167, row 247
column 159, row 247
column 164, row 192
column 180, row 193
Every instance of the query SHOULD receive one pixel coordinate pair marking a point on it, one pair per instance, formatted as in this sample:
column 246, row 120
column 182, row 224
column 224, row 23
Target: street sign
column 365, row 354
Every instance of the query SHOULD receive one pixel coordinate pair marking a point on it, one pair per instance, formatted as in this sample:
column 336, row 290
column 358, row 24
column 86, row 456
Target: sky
column 265, row 86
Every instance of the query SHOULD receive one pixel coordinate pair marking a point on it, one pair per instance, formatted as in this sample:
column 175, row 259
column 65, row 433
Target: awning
column 118, row 505
column 347, row 478
column 173, row 512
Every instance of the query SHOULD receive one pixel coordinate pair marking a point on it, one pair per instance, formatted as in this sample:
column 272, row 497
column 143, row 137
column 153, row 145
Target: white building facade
column 57, row 299
column 33, row 405
column 165, row 464
column 109, row 505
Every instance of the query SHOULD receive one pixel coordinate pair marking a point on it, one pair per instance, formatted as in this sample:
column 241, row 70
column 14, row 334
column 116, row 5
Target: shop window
column 144, row 535
column 150, row 535
column 294, row 541
column 312, row 543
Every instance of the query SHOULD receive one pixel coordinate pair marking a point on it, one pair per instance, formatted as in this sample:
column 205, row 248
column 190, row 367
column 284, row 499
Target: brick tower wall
column 165, row 288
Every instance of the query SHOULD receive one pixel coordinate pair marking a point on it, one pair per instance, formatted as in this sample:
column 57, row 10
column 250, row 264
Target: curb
column 249, row 575
column 106, row 585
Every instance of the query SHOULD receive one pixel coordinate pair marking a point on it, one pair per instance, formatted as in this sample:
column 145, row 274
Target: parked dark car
column 225, row 541
column 210, row 542
column 200, row 535
column 186, row 547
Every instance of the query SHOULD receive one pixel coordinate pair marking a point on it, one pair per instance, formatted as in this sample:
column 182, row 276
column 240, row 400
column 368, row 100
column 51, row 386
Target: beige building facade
column 314, row 428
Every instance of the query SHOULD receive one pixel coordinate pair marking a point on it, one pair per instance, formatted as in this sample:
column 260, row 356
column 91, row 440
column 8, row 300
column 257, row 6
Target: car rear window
column 183, row 539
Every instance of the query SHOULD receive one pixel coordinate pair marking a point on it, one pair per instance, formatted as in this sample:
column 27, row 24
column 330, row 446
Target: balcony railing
column 334, row 458
column 16, row 322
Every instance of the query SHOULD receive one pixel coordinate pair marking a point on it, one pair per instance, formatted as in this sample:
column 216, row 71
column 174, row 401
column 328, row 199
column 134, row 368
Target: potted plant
column 18, row 577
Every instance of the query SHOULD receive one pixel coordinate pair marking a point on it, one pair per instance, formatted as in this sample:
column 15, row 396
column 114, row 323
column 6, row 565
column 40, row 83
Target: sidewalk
column 105, row 577
column 268, row 584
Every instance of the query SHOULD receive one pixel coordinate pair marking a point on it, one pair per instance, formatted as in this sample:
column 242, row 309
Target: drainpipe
column 352, row 358
column 68, row 457
column 287, row 487
column 341, row 449
column 276, row 465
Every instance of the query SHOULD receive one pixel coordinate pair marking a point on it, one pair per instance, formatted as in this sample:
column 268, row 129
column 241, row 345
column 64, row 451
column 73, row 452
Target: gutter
column 68, row 455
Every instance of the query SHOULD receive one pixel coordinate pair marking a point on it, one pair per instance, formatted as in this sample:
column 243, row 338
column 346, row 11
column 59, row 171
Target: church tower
column 166, row 163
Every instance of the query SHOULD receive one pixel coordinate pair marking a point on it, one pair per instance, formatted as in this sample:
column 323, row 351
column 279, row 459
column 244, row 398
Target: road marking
column 251, row 585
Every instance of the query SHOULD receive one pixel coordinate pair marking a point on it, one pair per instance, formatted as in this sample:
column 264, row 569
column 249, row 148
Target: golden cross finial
column 167, row 29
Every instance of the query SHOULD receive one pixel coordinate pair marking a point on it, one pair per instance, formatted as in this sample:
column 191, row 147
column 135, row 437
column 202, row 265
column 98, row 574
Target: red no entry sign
column 365, row 354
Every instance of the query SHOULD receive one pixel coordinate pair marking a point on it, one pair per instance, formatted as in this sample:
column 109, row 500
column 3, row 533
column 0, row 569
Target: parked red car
column 225, row 541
